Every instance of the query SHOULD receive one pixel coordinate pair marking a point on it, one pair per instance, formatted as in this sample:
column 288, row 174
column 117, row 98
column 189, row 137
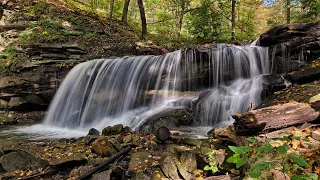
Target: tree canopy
column 218, row 20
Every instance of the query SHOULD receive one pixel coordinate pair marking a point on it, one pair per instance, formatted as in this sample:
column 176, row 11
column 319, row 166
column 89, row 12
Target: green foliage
column 301, row 162
column 290, row 162
column 43, row 31
column 40, row 8
column 7, row 57
column 205, row 22
column 47, row 31
column 310, row 11
column 240, row 156
column 310, row 176
column 9, row 52
column 212, row 164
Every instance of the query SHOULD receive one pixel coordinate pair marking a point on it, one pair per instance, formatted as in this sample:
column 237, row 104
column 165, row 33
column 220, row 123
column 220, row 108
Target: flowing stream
column 128, row 90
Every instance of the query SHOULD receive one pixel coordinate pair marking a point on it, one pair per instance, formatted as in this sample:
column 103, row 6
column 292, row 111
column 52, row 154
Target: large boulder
column 306, row 74
column 103, row 147
column 291, row 45
column 20, row 160
column 170, row 118
column 33, row 87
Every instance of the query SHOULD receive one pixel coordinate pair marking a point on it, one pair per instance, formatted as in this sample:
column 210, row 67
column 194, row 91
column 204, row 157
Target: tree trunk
column 180, row 18
column 288, row 11
column 274, row 117
column 143, row 20
column 111, row 9
column 233, row 19
column 125, row 11
column 1, row 11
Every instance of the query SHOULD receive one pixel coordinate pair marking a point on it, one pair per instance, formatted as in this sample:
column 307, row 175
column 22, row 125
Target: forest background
column 186, row 21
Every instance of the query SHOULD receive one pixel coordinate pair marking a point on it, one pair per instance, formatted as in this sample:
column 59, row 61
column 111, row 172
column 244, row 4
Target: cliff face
column 40, row 41
column 292, row 45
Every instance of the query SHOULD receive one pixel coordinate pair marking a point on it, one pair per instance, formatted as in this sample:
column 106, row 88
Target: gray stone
column 189, row 161
column 55, row 56
column 314, row 98
column 94, row 131
column 316, row 135
column 19, row 160
column 168, row 166
column 139, row 161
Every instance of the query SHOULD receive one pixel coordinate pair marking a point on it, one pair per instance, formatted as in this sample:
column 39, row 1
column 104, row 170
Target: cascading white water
column 109, row 88
column 237, row 81
column 128, row 90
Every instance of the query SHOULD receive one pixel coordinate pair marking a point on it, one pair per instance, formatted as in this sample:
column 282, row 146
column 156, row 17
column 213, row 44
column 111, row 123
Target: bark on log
column 274, row 117
column 162, row 133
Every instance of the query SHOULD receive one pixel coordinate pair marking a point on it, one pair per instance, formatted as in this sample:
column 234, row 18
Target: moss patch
column 5, row 120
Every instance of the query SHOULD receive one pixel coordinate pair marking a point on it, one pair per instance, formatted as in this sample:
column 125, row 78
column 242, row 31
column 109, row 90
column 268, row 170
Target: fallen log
column 102, row 165
column 162, row 133
column 274, row 117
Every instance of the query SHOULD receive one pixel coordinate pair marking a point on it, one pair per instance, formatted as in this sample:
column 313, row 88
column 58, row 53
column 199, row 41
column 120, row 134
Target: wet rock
column 77, row 172
column 174, row 148
column 87, row 140
column 6, row 120
column 298, row 40
column 127, row 129
column 105, row 175
column 141, row 176
column 113, row 130
column 189, row 161
column 306, row 74
column 168, row 122
column 103, row 147
column 19, row 160
column 94, row 132
column 116, row 144
column 272, row 84
column 162, row 133
column 169, row 118
column 211, row 133
column 158, row 175
column 139, row 161
column 183, row 171
column 191, row 141
column 127, row 138
column 168, row 166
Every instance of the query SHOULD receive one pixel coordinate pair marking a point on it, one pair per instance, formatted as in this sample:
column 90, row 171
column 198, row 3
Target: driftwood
column 274, row 117
column 101, row 166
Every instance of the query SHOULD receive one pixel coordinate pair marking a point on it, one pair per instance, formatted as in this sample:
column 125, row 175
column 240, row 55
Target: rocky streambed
column 120, row 153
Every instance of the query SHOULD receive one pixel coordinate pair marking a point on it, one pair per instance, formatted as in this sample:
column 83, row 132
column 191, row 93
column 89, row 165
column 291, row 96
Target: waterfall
column 125, row 90
column 238, row 83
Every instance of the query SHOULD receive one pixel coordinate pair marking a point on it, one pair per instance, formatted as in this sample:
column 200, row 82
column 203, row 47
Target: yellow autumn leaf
column 29, row 172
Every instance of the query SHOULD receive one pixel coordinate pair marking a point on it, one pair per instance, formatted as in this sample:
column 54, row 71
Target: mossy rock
column 113, row 130
column 140, row 161
column 103, row 147
column 5, row 120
